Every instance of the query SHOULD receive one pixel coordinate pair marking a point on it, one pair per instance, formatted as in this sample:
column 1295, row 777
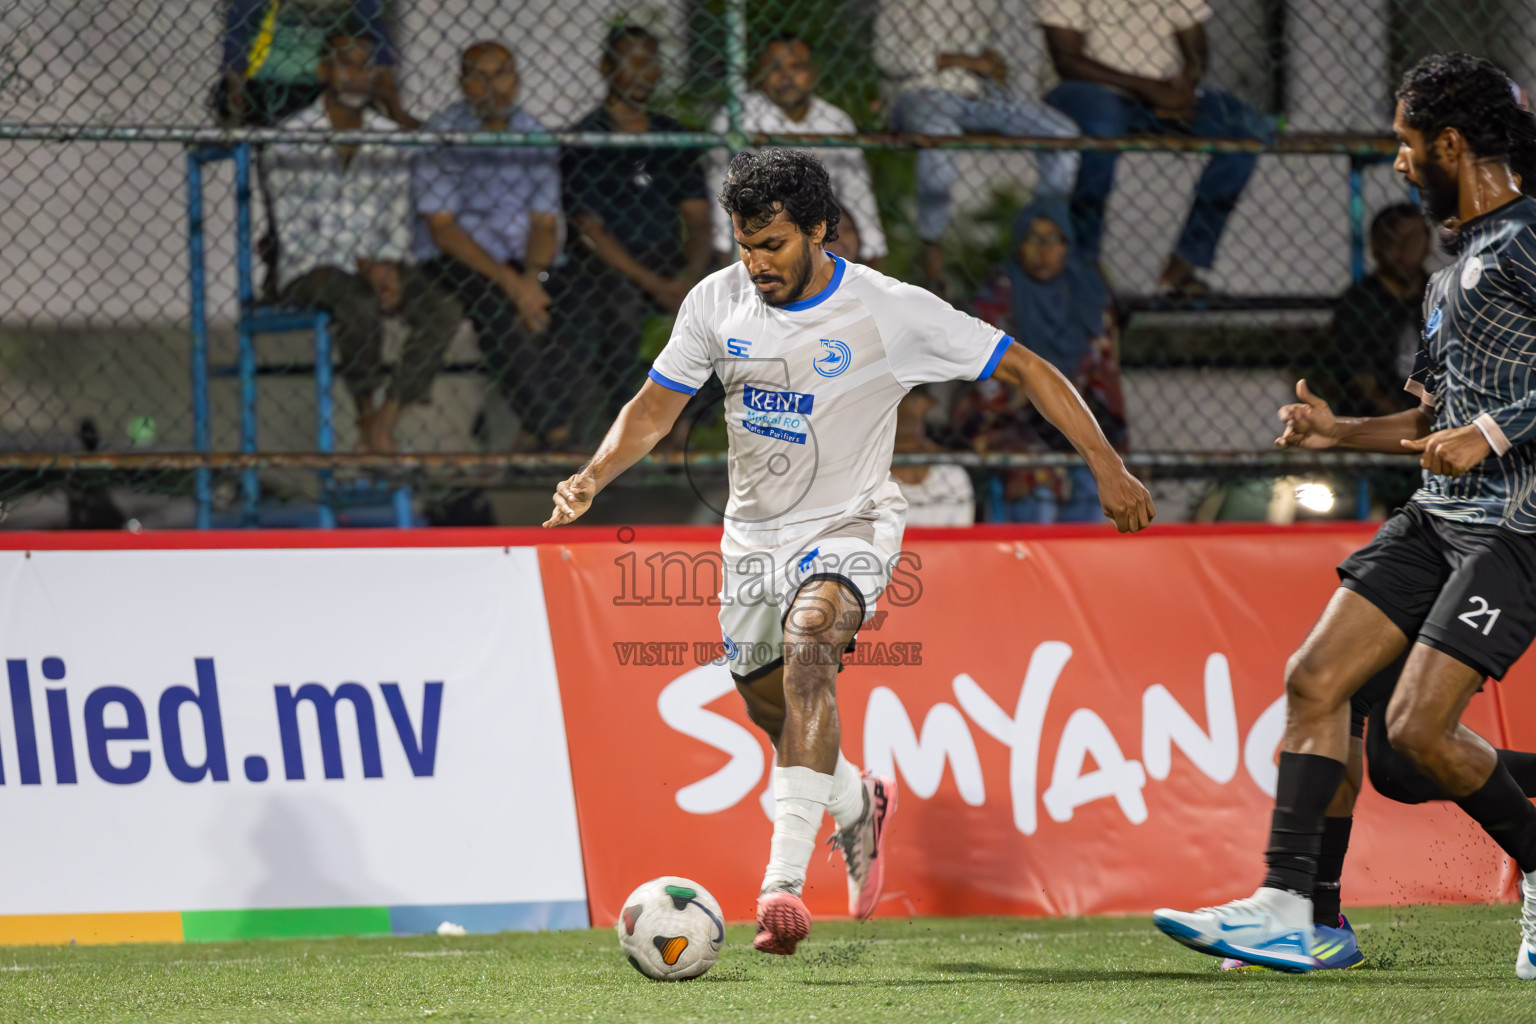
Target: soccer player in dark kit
column 1451, row 577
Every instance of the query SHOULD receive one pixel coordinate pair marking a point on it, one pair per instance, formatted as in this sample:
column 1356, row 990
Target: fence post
column 250, row 484
column 736, row 68
column 203, row 488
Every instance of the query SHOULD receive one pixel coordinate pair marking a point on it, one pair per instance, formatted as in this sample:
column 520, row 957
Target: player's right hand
column 573, row 496
column 1125, row 499
column 1309, row 423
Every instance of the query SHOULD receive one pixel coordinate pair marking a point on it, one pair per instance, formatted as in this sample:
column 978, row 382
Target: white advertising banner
column 240, row 729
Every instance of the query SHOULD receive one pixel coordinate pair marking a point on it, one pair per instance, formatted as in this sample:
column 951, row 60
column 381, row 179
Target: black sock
column 1305, row 789
column 1506, row 815
column 1330, row 868
column 1522, row 768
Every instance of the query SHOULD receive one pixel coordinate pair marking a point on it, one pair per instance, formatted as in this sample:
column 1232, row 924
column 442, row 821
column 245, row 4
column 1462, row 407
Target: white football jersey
column 811, row 390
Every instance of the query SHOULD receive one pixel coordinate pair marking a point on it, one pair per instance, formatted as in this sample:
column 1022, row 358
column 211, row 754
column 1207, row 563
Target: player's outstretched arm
column 1310, row 423
column 644, row 420
column 1124, row 498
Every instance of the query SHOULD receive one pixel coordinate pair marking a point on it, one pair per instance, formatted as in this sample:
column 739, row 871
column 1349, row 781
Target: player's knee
column 1418, row 741
column 810, row 665
column 1313, row 687
column 770, row 720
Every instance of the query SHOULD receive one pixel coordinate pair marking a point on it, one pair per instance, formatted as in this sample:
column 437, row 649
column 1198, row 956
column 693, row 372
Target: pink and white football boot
column 863, row 845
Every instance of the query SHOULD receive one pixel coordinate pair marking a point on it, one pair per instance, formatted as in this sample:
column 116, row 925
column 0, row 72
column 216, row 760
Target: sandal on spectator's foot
column 1191, row 289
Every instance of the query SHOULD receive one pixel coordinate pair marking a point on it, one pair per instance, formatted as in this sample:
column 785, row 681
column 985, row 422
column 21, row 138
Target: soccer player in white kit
column 814, row 354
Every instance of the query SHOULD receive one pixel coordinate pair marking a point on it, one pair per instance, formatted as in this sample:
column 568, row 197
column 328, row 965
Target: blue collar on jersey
column 825, row 293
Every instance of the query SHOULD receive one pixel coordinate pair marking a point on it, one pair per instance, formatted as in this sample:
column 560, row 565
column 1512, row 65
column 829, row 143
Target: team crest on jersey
column 838, row 358
column 1433, row 325
column 1471, row 273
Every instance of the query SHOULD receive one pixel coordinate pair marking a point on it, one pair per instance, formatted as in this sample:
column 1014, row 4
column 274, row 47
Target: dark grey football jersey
column 1477, row 364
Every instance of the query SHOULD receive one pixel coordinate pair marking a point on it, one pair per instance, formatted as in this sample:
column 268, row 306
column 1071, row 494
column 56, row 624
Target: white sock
column 800, row 797
column 847, row 803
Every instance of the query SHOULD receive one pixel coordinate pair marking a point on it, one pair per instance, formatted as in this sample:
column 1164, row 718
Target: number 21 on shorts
column 1480, row 609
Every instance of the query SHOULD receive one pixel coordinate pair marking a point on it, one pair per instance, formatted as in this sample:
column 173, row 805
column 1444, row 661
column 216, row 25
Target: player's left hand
column 1451, row 452
column 1125, row 499
column 573, row 496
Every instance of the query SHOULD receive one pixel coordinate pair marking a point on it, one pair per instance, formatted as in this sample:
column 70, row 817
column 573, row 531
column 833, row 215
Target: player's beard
column 1438, row 192
column 798, row 277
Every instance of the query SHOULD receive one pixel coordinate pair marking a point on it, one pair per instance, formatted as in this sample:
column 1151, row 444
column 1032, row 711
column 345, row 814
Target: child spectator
column 1055, row 304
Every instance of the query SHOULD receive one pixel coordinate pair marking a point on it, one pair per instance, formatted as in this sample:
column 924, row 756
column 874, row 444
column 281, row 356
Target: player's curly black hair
column 760, row 183
column 1475, row 97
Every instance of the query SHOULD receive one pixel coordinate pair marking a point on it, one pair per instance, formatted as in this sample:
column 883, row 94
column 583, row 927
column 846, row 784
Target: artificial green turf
column 1440, row 963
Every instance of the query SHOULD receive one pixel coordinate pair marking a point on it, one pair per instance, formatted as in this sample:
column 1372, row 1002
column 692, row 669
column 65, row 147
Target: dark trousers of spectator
column 357, row 327
column 1102, row 112
column 531, row 371
column 601, row 333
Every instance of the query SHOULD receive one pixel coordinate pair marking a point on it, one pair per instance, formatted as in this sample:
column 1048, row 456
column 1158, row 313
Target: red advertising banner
column 1078, row 723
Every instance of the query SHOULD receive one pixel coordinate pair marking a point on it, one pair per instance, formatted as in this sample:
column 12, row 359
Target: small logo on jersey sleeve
column 1433, row 325
column 1471, row 273
column 838, row 358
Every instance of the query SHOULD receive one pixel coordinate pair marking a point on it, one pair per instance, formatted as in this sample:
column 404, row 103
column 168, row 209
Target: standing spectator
column 1133, row 67
column 784, row 102
column 343, row 217
column 1378, row 321
column 1053, row 301
column 937, row 494
column 625, row 204
column 271, row 49
column 487, row 231
column 938, row 59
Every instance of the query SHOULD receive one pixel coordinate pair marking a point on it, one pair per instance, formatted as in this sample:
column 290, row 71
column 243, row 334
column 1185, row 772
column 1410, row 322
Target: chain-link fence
column 300, row 260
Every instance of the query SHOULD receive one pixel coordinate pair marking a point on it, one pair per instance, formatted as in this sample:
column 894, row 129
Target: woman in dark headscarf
column 1056, row 305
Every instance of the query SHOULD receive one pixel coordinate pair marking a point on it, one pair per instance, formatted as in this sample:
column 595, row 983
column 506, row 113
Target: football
column 671, row 929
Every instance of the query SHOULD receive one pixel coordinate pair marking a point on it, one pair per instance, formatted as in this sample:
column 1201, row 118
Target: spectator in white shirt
column 1133, row 67
column 938, row 494
column 938, row 59
column 343, row 216
column 784, row 102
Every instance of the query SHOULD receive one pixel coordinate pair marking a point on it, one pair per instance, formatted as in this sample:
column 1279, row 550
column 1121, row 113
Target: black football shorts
column 1466, row 590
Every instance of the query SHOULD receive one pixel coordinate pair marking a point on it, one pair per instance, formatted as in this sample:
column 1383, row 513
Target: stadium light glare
column 1314, row 497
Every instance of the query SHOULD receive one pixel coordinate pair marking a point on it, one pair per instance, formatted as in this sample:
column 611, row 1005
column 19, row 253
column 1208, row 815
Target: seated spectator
column 487, row 231
column 1134, row 68
column 1055, row 304
column 937, row 494
column 938, row 60
column 784, row 102
column 343, row 217
column 271, row 49
column 1378, row 321
column 625, row 205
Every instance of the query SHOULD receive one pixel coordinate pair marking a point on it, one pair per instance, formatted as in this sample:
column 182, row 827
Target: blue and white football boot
column 1334, row 948
column 1272, row 928
column 1525, row 960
